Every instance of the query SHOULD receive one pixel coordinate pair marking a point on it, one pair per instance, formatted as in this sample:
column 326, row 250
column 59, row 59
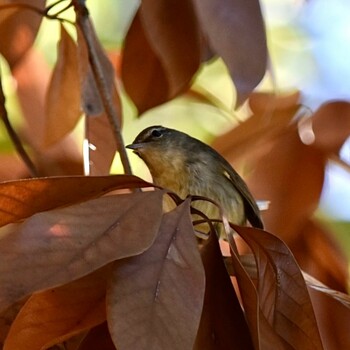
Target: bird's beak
column 134, row 146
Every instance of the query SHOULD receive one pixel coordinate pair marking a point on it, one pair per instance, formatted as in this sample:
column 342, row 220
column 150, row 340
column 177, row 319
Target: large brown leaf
column 333, row 319
column 91, row 101
column 18, row 29
column 236, row 32
column 23, row 198
column 55, row 315
column 143, row 75
column 283, row 296
column 223, row 325
column 162, row 52
column 99, row 130
column 331, row 307
column 155, row 299
column 32, row 75
column 55, row 247
column 262, row 334
column 318, row 253
column 63, row 96
column 272, row 116
column 290, row 174
column 172, row 32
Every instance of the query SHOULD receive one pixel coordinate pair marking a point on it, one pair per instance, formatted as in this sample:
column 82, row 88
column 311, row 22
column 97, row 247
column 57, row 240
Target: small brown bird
column 186, row 166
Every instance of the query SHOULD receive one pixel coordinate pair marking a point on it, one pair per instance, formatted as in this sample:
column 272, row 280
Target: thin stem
column 86, row 28
column 13, row 136
column 48, row 8
column 39, row 11
column 55, row 15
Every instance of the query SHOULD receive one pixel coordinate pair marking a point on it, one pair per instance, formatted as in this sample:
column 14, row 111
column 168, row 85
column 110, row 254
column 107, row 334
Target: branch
column 13, row 136
column 86, row 28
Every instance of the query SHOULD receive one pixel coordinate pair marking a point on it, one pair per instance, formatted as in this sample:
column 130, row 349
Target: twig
column 86, row 28
column 14, row 137
column 39, row 11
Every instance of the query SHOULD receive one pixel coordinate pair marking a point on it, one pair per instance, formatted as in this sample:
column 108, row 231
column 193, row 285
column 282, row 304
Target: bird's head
column 159, row 144
column 165, row 151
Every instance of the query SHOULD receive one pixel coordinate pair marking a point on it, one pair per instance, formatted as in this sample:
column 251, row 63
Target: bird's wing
column 251, row 208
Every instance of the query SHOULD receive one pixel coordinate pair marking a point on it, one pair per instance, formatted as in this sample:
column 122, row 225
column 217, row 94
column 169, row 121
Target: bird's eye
column 156, row 133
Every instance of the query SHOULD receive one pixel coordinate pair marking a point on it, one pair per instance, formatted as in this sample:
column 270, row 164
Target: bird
column 187, row 166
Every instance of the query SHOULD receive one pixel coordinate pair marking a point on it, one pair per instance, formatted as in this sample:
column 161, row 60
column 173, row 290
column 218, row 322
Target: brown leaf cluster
column 289, row 173
column 286, row 168
column 73, row 82
column 118, row 258
column 168, row 40
column 164, row 48
column 61, row 97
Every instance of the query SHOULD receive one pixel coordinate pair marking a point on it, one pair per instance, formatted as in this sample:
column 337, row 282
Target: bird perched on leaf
column 187, row 166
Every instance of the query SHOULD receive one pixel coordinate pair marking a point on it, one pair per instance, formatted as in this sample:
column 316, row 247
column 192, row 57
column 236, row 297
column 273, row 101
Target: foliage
column 93, row 261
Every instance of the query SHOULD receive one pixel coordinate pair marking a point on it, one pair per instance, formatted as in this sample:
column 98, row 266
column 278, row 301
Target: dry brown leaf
column 18, row 29
column 91, row 100
column 290, row 175
column 223, row 325
column 249, row 264
column 143, row 75
column 23, row 198
column 104, row 146
column 155, row 299
column 318, row 253
column 32, row 75
column 55, row 247
column 236, row 32
column 331, row 315
column 172, row 32
column 106, row 65
column 262, row 333
column 333, row 319
column 272, row 117
column 331, row 125
column 283, row 296
column 63, row 96
column 55, row 315
column 99, row 131
column 162, row 52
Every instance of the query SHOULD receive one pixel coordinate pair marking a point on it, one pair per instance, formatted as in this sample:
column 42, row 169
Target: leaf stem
column 13, row 136
column 85, row 25
column 39, row 11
